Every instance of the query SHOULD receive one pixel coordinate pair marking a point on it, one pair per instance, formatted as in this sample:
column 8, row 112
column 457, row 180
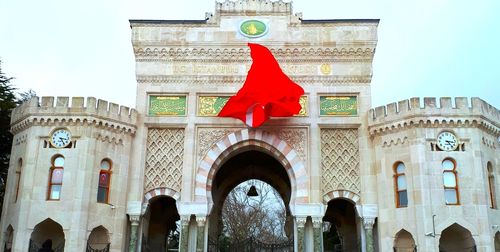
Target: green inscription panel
column 338, row 106
column 211, row 105
column 167, row 105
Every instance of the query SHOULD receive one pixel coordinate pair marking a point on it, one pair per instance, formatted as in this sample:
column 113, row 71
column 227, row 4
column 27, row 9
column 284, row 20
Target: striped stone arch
column 239, row 141
column 163, row 191
column 341, row 194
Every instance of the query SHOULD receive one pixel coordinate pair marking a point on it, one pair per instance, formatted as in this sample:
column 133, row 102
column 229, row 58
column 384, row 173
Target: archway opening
column 98, row 240
column 161, row 225
column 404, row 242
column 47, row 234
column 342, row 232
column 457, row 239
column 267, row 216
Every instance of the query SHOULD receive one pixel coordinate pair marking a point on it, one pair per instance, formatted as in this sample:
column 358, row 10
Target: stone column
column 368, row 225
column 134, row 225
column 301, row 223
column 200, row 237
column 184, row 239
column 318, row 233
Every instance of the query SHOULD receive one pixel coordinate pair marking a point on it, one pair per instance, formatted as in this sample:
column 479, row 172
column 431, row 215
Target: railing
column 90, row 249
column 250, row 245
column 35, row 247
column 405, row 249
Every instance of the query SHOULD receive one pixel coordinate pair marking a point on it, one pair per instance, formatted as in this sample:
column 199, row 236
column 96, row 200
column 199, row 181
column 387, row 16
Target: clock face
column 60, row 138
column 447, row 141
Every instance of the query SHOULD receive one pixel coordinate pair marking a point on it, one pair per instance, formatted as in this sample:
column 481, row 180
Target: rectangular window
column 55, row 185
column 403, row 199
column 450, row 196
column 103, row 189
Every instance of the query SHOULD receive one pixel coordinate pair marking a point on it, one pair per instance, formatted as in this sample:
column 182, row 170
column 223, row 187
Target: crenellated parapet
column 433, row 111
column 253, row 6
column 74, row 111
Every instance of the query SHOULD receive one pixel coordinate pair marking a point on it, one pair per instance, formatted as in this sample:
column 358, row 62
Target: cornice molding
column 422, row 121
column 72, row 120
column 243, row 54
column 218, row 80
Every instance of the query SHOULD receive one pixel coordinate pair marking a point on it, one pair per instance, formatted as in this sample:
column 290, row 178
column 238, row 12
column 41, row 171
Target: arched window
column 400, row 183
column 104, row 179
column 18, row 177
column 56, row 178
column 450, row 182
column 8, row 239
column 491, row 185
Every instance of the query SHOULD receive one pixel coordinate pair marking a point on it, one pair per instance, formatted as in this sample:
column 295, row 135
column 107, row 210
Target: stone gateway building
column 418, row 174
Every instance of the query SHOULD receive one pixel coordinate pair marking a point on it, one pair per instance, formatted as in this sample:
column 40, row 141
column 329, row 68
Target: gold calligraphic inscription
column 211, row 69
column 211, row 105
column 167, row 105
column 303, row 102
column 299, row 69
column 238, row 69
column 338, row 106
column 326, row 69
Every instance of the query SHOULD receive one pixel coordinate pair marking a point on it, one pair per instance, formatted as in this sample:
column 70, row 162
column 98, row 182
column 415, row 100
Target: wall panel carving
column 164, row 159
column 209, row 136
column 295, row 138
column 340, row 160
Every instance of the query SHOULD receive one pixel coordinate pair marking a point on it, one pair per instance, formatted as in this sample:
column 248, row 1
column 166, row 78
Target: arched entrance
column 456, row 238
column 342, row 228
column 249, row 164
column 98, row 240
column 404, row 242
column 230, row 146
column 47, row 234
column 161, row 225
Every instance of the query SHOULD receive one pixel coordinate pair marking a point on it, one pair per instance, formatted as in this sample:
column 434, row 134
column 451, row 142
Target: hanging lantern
column 252, row 192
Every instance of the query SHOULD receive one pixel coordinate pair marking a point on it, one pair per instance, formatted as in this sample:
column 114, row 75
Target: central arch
column 245, row 140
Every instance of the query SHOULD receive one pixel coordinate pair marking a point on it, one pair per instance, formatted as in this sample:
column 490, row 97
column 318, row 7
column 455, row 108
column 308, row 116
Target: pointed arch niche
column 456, row 238
column 404, row 242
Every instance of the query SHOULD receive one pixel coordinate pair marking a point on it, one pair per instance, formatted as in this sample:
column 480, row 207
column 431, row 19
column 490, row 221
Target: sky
column 426, row 48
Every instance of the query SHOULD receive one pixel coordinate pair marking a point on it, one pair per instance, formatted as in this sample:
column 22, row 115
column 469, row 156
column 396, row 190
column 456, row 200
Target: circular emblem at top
column 253, row 28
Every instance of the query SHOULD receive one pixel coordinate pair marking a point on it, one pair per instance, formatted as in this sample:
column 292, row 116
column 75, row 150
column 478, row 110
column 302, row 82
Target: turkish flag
column 267, row 91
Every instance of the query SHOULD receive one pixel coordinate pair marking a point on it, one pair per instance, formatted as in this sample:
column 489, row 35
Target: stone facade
column 339, row 153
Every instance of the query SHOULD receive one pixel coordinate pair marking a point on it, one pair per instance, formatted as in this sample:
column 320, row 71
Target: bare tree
column 262, row 217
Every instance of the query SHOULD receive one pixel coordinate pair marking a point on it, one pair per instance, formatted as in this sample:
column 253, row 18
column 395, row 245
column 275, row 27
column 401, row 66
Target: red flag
column 267, row 91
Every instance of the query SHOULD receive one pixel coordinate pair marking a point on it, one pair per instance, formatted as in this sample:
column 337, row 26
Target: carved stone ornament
column 164, row 159
column 294, row 137
column 300, row 221
column 340, row 160
column 134, row 219
column 368, row 222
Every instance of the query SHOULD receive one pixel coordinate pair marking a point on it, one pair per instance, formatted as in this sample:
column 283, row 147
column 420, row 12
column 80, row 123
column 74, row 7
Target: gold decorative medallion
column 253, row 28
column 326, row 69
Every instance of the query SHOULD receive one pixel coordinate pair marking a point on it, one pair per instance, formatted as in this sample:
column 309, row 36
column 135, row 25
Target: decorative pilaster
column 134, row 225
column 200, row 238
column 318, row 232
column 301, row 223
column 183, row 246
column 368, row 225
